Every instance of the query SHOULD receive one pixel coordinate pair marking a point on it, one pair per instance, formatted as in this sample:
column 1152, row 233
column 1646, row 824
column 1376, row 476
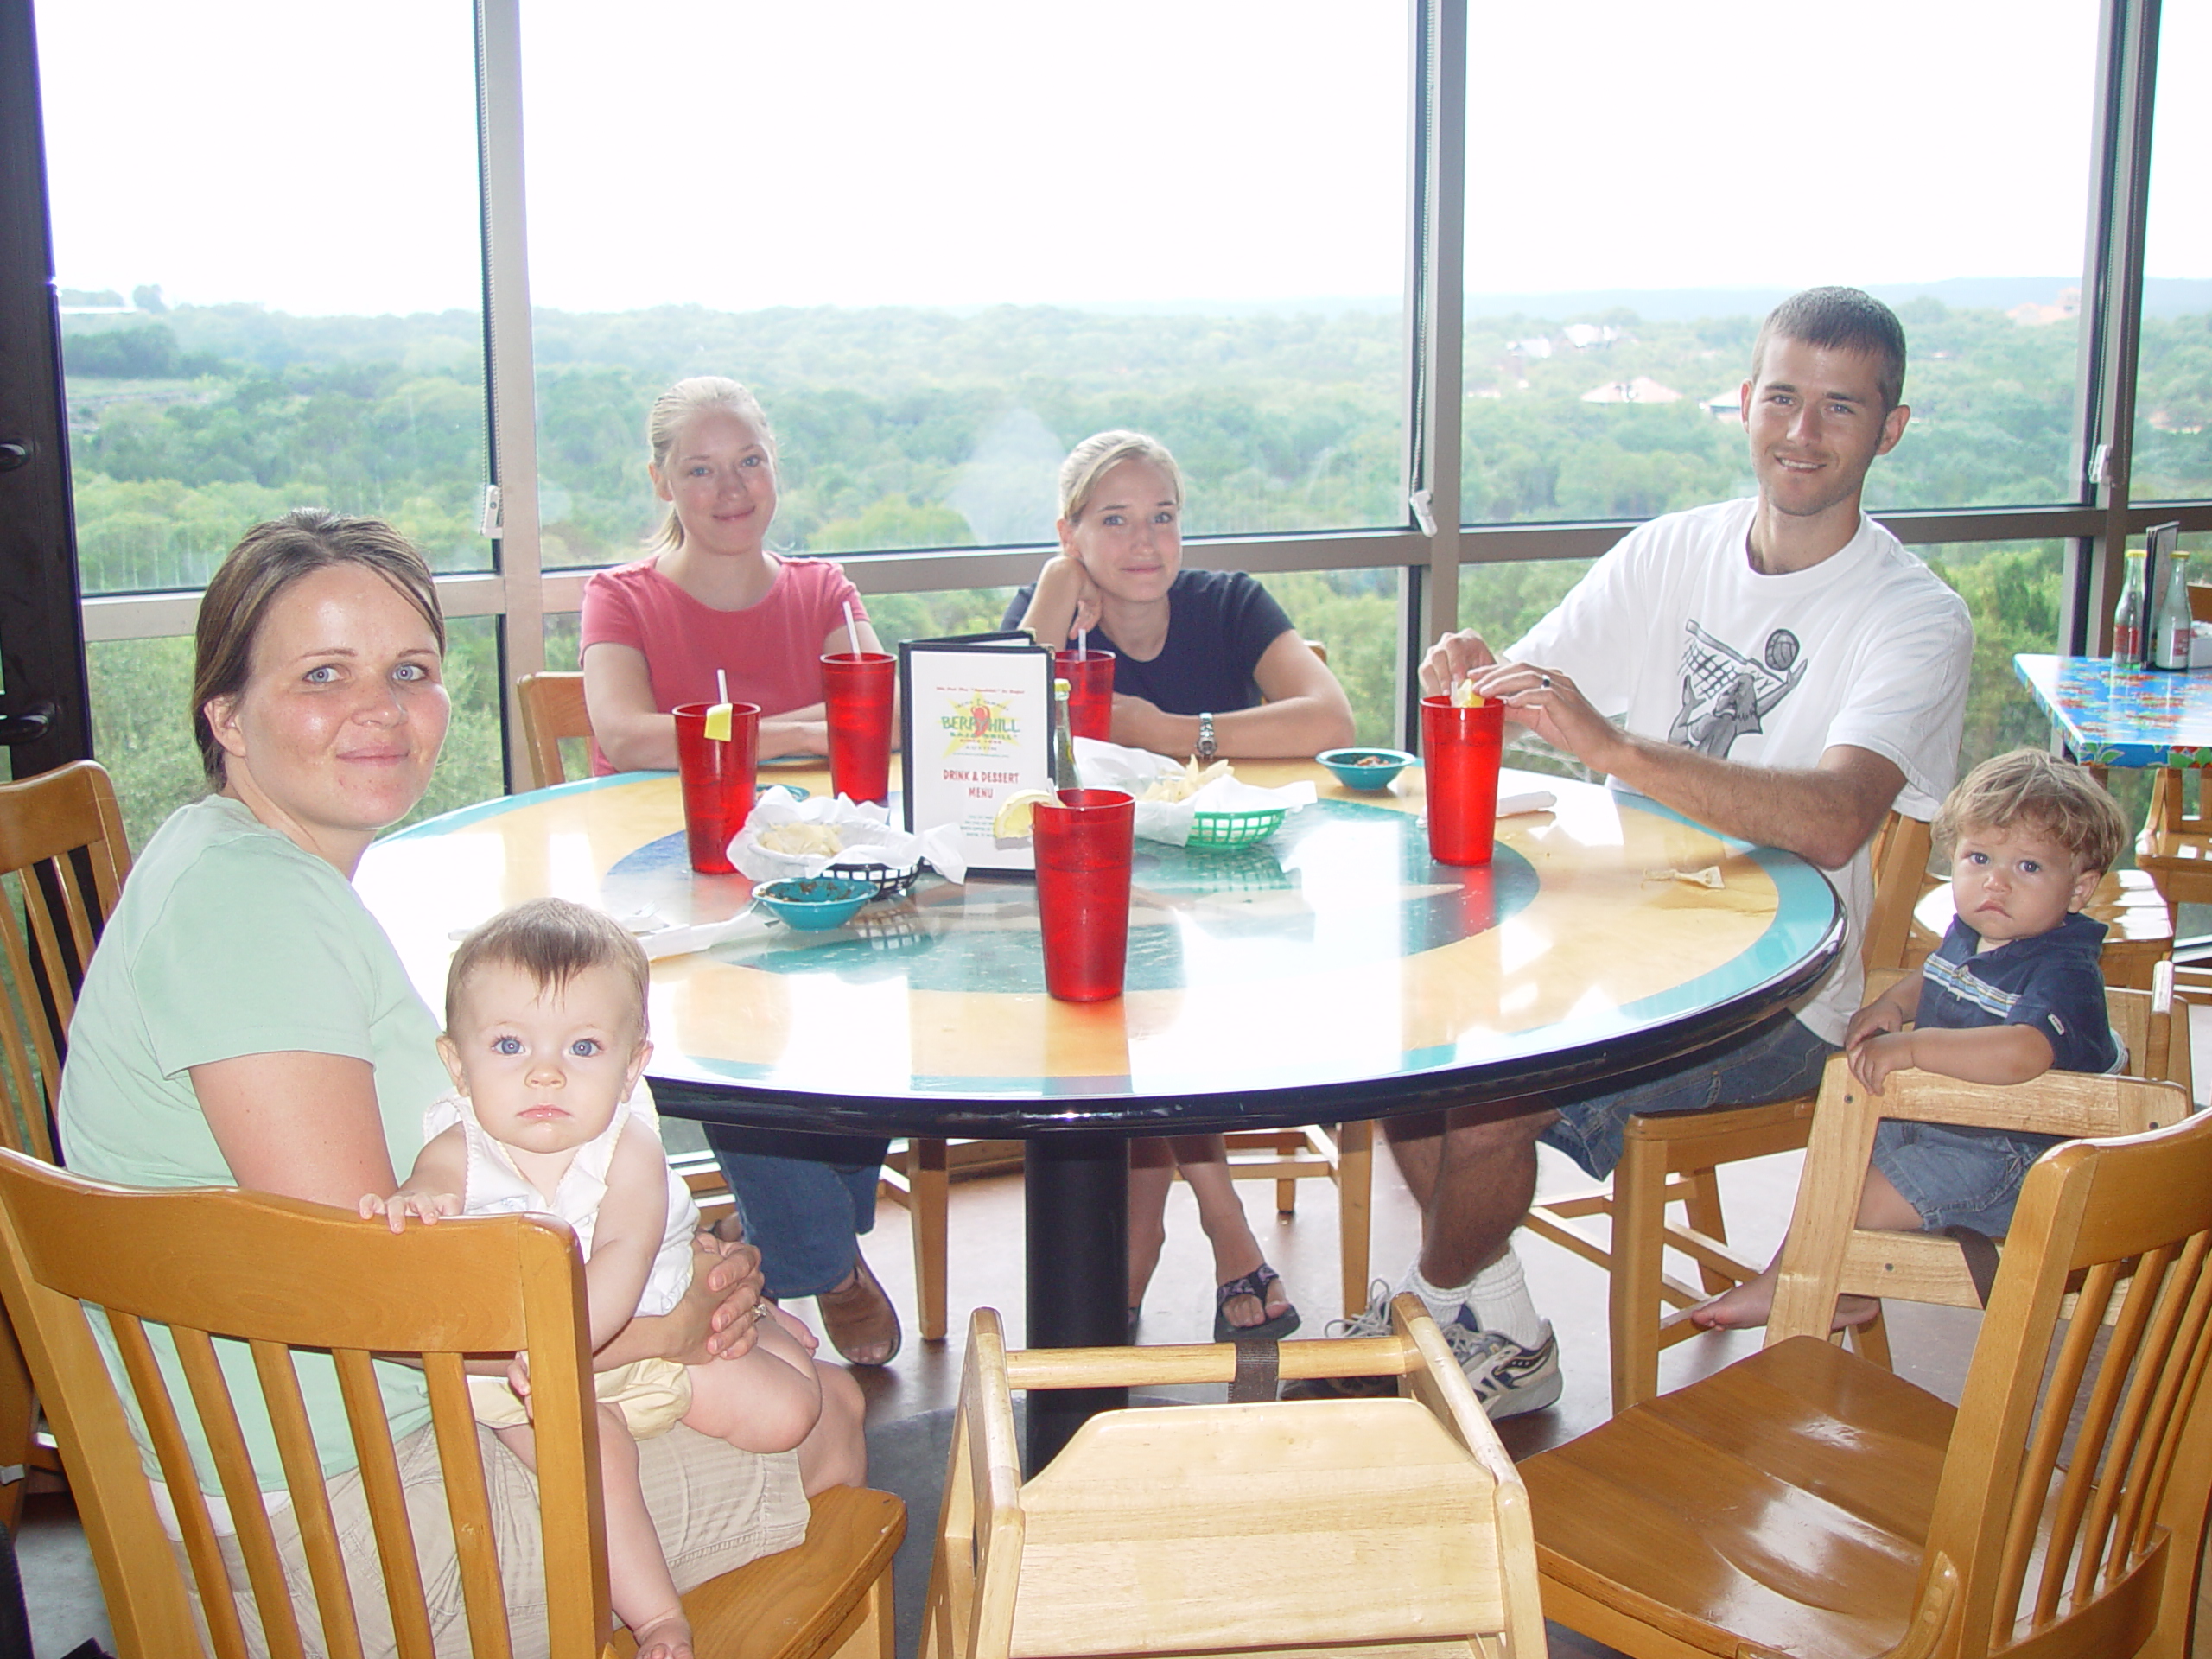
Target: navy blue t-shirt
column 1220, row 623
column 2051, row 982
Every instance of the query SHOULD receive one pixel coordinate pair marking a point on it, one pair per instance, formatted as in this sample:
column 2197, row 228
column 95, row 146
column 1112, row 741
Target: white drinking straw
column 1082, row 641
column 852, row 628
column 722, row 686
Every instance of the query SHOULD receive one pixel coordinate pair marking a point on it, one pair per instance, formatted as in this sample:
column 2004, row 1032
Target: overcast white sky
column 318, row 158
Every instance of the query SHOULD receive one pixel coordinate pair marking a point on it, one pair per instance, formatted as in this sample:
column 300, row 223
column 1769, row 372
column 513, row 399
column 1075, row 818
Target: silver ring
column 1544, row 682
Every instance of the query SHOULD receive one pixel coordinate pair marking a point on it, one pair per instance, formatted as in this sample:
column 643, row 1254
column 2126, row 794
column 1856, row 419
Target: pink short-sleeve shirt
column 771, row 651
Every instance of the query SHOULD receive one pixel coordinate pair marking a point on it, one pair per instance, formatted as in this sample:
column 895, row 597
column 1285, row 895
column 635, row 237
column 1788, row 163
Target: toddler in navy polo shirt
column 2013, row 990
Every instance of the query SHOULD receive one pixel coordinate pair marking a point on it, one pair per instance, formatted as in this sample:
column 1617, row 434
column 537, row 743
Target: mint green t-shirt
column 232, row 940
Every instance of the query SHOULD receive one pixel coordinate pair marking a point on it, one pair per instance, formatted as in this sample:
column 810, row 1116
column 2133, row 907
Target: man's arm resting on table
column 1824, row 814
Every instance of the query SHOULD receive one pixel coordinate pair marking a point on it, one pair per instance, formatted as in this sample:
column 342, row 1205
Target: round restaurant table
column 1334, row 971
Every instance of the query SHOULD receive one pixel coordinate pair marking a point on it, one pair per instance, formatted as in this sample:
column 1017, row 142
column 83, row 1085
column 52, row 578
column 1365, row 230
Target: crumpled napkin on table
column 869, row 837
column 1109, row 766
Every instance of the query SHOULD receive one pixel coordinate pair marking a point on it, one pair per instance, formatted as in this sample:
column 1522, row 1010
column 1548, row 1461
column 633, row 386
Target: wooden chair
column 63, row 856
column 553, row 709
column 285, row 1275
column 1675, row 1157
column 1804, row 1501
column 2175, row 846
column 1827, row 1255
column 1390, row 1526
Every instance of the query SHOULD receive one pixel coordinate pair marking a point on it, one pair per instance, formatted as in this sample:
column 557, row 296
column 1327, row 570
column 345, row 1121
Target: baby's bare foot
column 1751, row 1304
column 665, row 1638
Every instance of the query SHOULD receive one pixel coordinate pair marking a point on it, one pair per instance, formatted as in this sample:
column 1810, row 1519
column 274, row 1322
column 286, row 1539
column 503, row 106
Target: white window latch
column 1424, row 513
column 488, row 517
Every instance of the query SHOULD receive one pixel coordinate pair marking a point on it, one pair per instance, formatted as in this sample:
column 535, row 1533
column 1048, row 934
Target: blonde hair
column 2027, row 786
column 673, row 410
column 1098, row 454
column 552, row 941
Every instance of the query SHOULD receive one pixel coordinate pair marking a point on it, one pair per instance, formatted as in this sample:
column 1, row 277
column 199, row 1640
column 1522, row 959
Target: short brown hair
column 552, row 940
column 268, row 559
column 2027, row 786
column 1842, row 320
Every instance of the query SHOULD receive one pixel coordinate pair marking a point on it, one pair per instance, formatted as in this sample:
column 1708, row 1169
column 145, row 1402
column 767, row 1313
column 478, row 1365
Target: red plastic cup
column 1461, row 750
column 857, row 692
column 1090, row 675
column 717, row 779
column 1084, row 845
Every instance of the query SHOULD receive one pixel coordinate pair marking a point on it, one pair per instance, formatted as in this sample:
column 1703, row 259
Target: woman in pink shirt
column 709, row 594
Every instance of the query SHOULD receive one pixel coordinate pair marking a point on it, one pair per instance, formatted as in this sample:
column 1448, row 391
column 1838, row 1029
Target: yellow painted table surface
column 1334, row 970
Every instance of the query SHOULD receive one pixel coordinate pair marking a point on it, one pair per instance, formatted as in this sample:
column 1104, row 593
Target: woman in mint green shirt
column 247, row 1021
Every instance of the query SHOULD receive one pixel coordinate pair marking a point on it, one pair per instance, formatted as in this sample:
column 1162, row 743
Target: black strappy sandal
column 1253, row 1284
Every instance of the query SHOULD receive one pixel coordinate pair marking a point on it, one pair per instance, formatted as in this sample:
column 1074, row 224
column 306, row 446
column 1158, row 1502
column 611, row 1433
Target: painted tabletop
column 2124, row 717
column 1333, row 970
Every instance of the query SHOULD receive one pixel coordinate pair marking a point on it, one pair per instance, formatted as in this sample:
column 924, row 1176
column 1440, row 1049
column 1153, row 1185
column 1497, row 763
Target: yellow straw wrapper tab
column 718, row 723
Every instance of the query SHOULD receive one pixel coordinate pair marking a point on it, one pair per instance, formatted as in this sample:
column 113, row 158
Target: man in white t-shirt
column 1779, row 670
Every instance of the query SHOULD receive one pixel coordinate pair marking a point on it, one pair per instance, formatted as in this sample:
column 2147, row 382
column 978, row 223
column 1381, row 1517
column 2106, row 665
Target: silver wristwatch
column 1207, row 745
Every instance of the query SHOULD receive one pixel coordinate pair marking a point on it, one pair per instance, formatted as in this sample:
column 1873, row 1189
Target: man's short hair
column 1842, row 320
column 2029, row 787
column 551, row 940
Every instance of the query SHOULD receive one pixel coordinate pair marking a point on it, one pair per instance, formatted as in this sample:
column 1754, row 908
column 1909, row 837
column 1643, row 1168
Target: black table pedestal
column 1076, row 1193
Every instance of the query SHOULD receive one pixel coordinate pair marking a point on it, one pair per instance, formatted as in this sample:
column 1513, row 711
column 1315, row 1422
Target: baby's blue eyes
column 584, row 1047
column 506, row 1045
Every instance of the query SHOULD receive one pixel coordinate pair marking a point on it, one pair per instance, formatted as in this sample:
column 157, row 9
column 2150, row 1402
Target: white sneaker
column 1506, row 1377
column 1375, row 1321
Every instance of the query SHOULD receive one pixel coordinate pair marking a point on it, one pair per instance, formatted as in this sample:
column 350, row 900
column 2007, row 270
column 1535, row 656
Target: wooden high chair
column 1366, row 1528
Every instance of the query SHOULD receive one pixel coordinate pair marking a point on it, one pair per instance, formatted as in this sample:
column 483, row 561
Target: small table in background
column 2136, row 718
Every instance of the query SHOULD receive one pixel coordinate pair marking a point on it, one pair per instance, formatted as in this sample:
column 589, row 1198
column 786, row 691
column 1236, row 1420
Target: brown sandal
column 861, row 1320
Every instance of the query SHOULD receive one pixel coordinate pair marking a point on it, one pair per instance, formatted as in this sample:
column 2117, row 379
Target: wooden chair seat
column 1369, row 1528
column 1803, row 1501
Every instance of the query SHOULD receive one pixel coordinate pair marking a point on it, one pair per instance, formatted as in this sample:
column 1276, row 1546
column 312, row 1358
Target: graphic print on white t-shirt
column 1727, row 694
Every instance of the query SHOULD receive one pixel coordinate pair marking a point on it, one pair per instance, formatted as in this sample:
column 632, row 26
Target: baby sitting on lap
column 545, row 1039
column 2013, row 991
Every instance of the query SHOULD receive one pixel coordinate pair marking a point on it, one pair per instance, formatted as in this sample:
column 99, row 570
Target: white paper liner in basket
column 1109, row 766
column 869, row 837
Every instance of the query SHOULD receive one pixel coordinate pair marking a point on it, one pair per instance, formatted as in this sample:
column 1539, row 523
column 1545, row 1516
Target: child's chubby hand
column 1876, row 1056
column 425, row 1207
column 1877, row 1017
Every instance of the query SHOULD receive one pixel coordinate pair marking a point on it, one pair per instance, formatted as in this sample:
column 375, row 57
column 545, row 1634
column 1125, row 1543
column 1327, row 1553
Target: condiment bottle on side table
column 1063, row 773
column 2174, row 629
column 2128, row 620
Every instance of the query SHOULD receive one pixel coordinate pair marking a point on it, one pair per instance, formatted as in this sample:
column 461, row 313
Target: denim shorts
column 1954, row 1176
column 1779, row 1059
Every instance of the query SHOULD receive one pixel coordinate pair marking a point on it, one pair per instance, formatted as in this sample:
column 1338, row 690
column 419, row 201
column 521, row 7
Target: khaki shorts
column 716, row 1508
column 653, row 1395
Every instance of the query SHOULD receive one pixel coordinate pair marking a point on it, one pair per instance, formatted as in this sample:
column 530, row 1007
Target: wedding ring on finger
column 1543, row 682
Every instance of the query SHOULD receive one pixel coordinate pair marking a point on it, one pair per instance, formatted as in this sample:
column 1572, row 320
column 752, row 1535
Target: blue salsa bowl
column 813, row 904
column 1365, row 768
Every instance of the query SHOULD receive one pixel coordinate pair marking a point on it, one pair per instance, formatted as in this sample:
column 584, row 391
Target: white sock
column 1443, row 1303
column 1499, row 1296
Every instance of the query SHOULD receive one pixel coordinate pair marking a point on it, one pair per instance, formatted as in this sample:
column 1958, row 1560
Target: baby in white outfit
column 545, row 1039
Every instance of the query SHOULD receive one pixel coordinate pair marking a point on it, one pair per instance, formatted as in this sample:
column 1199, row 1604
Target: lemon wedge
column 718, row 722
column 1463, row 696
column 1011, row 822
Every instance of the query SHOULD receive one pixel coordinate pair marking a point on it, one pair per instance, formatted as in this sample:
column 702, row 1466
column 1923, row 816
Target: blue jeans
column 1956, row 1176
column 803, row 1199
column 1778, row 1060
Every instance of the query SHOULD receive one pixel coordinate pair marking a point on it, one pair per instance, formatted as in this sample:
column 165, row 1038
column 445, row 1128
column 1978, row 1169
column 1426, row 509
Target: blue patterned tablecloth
column 2123, row 717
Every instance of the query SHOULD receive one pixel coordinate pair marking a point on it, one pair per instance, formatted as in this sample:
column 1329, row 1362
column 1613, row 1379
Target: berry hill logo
column 976, row 723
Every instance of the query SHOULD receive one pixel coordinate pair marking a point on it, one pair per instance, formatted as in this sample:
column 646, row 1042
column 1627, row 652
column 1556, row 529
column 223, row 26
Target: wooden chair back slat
column 280, row 1387
column 552, row 708
column 296, row 1282
column 388, row 1519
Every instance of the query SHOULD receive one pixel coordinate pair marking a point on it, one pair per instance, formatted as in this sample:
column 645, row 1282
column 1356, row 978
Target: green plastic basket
column 1221, row 832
